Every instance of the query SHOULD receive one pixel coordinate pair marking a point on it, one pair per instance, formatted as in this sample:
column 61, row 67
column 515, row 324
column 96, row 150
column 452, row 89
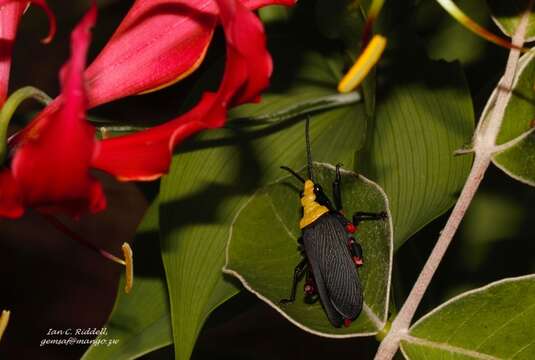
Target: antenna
column 309, row 153
column 293, row 173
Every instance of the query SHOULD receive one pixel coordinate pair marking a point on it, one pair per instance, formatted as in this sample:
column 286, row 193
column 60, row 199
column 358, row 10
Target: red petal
column 51, row 163
column 255, row 4
column 44, row 6
column 158, row 43
column 10, row 15
column 249, row 64
column 147, row 154
column 10, row 199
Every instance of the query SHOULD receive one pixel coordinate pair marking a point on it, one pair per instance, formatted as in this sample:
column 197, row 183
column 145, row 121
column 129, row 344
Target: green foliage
column 424, row 113
column 262, row 250
column 518, row 159
column 225, row 188
column 140, row 320
column 506, row 14
column 213, row 177
column 493, row 322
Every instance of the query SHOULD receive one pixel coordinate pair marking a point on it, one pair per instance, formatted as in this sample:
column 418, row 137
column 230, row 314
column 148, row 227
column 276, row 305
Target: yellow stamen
column 471, row 25
column 129, row 264
column 366, row 61
column 127, row 251
column 4, row 319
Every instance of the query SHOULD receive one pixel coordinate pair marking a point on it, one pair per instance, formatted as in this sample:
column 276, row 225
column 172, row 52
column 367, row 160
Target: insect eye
column 301, row 194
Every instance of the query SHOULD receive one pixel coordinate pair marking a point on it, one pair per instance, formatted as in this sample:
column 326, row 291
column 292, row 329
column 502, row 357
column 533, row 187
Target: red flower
column 49, row 168
column 246, row 74
column 52, row 156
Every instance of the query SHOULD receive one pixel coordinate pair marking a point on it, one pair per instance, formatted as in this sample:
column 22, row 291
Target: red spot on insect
column 347, row 322
column 350, row 228
column 532, row 124
column 358, row 261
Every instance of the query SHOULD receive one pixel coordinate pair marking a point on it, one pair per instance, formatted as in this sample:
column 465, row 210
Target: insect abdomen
column 325, row 242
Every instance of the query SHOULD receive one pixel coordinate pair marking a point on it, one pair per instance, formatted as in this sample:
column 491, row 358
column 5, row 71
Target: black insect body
column 331, row 251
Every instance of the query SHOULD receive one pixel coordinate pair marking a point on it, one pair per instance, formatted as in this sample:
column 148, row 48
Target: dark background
column 50, row 281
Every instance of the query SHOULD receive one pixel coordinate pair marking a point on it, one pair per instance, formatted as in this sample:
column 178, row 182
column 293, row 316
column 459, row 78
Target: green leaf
column 140, row 320
column 517, row 135
column 263, row 250
column 424, row 113
column 493, row 322
column 211, row 179
column 507, row 14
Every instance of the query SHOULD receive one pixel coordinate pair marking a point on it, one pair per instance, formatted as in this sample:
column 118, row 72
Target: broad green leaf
column 140, row 320
column 424, row 113
column 507, row 14
column 518, row 159
column 263, row 250
column 493, row 322
column 212, row 178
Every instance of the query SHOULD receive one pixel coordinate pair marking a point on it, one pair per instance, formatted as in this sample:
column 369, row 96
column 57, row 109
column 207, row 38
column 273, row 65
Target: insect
column 330, row 248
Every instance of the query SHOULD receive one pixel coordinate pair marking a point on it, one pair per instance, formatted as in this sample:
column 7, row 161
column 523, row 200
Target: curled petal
column 158, row 43
column 146, row 155
column 44, row 6
column 255, row 4
column 10, row 15
column 51, row 162
column 249, row 64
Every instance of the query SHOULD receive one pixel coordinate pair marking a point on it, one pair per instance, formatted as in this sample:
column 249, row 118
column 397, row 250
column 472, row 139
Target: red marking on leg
column 347, row 322
column 350, row 228
column 358, row 261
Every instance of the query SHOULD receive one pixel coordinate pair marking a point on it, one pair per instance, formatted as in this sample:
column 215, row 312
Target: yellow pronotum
column 311, row 209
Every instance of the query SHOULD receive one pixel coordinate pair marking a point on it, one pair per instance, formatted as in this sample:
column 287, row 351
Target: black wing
column 325, row 243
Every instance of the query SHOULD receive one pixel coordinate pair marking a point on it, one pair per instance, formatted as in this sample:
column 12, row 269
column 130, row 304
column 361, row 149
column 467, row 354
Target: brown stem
column 484, row 147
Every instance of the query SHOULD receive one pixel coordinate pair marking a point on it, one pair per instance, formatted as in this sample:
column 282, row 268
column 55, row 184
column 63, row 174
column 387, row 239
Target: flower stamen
column 129, row 265
column 365, row 62
column 127, row 251
column 4, row 320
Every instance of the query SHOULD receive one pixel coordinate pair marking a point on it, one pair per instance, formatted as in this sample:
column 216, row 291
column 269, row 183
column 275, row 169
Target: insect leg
column 299, row 271
column 337, row 193
column 311, row 289
column 366, row 216
column 356, row 252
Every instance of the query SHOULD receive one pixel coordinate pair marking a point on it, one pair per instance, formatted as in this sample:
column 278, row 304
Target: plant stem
column 484, row 145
